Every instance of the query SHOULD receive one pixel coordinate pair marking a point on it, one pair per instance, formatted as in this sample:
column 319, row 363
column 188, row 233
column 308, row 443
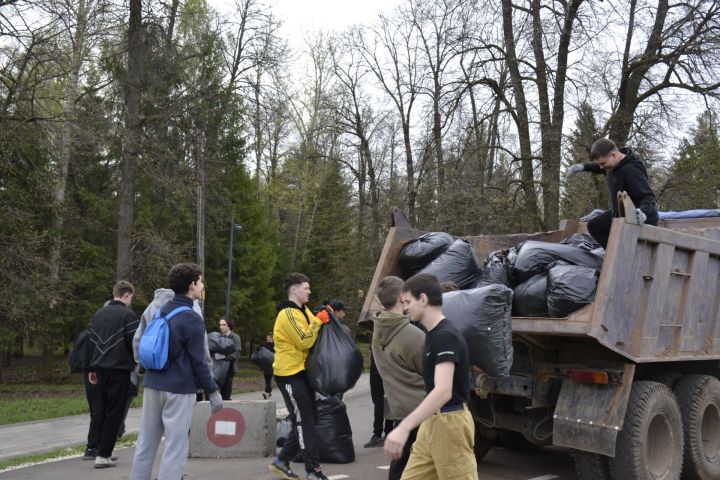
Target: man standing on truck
column 444, row 444
column 624, row 171
column 397, row 347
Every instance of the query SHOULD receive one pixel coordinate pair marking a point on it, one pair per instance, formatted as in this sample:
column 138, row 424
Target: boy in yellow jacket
column 295, row 332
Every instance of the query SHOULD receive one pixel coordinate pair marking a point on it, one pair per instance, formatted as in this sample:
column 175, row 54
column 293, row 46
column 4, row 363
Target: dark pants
column 377, row 392
column 268, row 382
column 226, row 387
column 300, row 401
column 398, row 466
column 93, row 437
column 599, row 227
column 110, row 397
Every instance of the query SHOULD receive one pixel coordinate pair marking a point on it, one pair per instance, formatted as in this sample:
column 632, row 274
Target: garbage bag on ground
column 333, row 434
column 570, row 288
column 583, row 241
column 483, row 317
column 220, row 369
column 335, row 362
column 458, row 264
column 219, row 343
column 263, row 358
column 495, row 270
column 534, row 257
column 416, row 254
column 530, row 298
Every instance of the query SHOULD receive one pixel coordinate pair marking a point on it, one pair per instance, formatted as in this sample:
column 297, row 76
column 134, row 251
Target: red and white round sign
column 226, row 428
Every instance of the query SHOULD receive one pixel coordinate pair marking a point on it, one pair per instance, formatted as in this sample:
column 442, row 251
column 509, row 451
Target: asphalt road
column 500, row 464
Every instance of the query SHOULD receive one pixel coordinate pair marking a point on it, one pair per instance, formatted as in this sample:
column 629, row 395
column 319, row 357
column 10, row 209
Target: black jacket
column 111, row 335
column 629, row 176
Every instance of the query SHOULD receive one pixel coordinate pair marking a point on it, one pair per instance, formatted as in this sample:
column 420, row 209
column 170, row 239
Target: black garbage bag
column 583, row 241
column 335, row 362
column 219, row 343
column 530, row 298
column 483, row 317
column 458, row 264
column 220, row 369
column 534, row 257
column 263, row 358
column 570, row 288
column 416, row 254
column 496, row 270
column 333, row 435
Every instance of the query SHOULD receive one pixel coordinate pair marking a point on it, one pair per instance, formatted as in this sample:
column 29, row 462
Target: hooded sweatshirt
column 629, row 176
column 162, row 296
column 187, row 368
column 295, row 332
column 397, row 347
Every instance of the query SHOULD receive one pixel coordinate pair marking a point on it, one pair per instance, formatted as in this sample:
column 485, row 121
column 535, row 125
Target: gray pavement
column 500, row 464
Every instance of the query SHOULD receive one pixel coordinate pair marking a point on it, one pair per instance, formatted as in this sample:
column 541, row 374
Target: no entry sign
column 226, row 428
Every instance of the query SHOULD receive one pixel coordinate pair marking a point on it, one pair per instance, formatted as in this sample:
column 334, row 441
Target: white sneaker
column 102, row 462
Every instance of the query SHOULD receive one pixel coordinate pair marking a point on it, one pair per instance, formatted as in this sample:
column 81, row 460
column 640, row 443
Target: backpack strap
column 176, row 311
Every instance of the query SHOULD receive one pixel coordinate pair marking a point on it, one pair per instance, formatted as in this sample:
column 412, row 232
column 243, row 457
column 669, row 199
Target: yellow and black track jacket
column 295, row 332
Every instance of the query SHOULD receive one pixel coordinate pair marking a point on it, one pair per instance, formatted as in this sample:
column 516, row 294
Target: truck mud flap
column 588, row 416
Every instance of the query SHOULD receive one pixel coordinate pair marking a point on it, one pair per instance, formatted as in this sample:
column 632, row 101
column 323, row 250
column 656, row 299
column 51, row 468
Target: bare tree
column 391, row 52
column 521, row 118
column 677, row 52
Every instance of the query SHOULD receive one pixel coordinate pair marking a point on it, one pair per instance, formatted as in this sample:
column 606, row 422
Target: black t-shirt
column 444, row 343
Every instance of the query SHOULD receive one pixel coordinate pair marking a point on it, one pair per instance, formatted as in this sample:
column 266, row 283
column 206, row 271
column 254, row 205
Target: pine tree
column 694, row 177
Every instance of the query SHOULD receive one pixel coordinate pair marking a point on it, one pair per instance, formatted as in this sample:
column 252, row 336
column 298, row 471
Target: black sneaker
column 90, row 454
column 375, row 441
column 316, row 475
column 282, row 469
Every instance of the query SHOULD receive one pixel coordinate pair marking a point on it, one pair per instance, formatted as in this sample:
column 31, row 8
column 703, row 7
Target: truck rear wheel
column 591, row 466
column 650, row 444
column 699, row 398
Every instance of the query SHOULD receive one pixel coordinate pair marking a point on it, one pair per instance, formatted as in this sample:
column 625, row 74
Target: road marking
column 338, row 477
column 545, row 477
column 386, row 467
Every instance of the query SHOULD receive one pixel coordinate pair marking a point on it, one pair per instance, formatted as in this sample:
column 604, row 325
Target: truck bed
column 657, row 297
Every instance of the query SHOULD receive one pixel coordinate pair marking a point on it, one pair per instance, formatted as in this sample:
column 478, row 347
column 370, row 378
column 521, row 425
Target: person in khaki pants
column 445, row 439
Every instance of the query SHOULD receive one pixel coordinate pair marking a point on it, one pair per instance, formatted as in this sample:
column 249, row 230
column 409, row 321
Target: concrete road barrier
column 242, row 429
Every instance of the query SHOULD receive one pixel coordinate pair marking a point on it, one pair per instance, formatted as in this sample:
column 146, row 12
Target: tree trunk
column 130, row 144
column 410, row 170
column 523, row 124
column 257, row 124
column 66, row 137
column 200, row 173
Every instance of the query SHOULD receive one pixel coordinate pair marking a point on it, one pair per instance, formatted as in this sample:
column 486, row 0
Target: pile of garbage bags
column 533, row 279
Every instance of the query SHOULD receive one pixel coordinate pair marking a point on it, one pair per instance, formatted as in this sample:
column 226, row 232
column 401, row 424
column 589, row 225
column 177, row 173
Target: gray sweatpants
column 170, row 413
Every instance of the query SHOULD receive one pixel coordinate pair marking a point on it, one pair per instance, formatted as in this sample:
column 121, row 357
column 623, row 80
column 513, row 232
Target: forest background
column 132, row 133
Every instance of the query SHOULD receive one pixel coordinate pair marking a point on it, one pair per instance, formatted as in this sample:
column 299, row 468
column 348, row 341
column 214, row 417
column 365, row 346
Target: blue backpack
column 155, row 341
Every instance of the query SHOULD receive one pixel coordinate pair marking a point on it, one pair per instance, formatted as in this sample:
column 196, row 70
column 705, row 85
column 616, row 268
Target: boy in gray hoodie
column 397, row 347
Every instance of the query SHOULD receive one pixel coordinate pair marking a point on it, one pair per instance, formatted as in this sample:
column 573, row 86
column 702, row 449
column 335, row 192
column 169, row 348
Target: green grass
column 126, row 442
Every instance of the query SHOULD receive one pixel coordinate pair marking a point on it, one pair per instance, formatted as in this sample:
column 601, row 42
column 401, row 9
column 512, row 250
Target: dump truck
column 629, row 382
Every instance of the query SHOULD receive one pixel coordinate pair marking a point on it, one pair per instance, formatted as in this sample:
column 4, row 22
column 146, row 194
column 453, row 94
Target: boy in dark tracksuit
column 624, row 171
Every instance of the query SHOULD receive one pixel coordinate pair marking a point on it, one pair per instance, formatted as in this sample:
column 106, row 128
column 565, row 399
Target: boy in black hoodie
column 624, row 171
